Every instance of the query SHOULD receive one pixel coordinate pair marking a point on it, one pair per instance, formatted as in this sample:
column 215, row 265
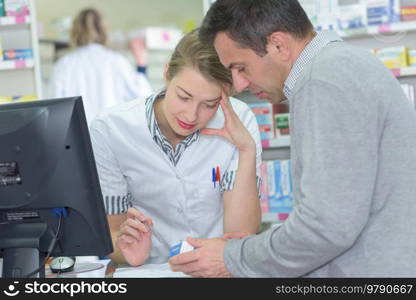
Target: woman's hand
column 234, row 130
column 134, row 239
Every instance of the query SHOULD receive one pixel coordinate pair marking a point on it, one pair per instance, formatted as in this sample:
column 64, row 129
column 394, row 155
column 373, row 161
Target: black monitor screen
column 49, row 188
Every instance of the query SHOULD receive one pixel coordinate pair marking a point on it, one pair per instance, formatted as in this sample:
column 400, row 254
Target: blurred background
column 161, row 22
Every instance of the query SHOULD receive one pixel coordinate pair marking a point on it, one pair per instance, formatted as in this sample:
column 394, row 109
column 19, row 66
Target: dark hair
column 250, row 22
column 87, row 28
column 191, row 52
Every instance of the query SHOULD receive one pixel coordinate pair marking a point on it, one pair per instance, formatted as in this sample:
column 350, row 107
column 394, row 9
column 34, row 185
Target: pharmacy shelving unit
column 279, row 149
column 18, row 78
column 379, row 29
column 387, row 35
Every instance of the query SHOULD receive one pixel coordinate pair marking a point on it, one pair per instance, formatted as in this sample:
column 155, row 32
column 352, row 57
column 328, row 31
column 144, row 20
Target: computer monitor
column 49, row 187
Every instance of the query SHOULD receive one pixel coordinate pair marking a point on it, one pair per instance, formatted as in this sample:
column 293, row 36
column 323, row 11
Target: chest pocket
column 210, row 201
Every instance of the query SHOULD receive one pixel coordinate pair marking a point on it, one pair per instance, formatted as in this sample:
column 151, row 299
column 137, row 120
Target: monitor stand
column 20, row 244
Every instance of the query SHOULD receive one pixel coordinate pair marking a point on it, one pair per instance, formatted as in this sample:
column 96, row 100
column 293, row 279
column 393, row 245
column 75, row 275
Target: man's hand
column 207, row 260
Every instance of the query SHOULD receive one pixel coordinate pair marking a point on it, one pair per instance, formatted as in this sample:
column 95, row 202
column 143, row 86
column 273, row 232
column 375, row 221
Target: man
column 353, row 150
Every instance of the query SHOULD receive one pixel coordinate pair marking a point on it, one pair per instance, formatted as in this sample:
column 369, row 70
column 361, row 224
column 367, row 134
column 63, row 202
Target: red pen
column 218, row 175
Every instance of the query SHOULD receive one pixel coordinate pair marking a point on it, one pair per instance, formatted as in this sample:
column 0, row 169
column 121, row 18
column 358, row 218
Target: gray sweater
column 354, row 177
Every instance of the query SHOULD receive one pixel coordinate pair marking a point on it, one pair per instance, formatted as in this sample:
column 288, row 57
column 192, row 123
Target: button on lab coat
column 101, row 76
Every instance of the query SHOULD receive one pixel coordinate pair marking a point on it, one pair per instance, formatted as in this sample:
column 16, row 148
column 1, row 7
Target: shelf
column 281, row 142
column 7, row 21
column 404, row 72
column 378, row 29
column 16, row 64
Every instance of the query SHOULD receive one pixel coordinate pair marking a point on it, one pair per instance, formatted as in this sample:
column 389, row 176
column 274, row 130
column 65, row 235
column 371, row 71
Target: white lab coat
column 101, row 76
column 182, row 200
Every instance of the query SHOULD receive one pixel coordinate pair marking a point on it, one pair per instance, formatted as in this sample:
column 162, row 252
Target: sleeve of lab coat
column 116, row 197
column 137, row 85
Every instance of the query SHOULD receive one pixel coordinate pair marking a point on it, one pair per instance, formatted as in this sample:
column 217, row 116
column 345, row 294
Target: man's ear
column 278, row 44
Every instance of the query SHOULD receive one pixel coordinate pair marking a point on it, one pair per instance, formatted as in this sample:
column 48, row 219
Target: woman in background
column 101, row 76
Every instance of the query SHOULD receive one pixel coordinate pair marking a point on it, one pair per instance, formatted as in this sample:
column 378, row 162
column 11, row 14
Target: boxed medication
column 16, row 8
column 383, row 12
column 17, row 54
column 6, row 99
column 326, row 14
column 412, row 57
column 282, row 124
column 181, row 247
column 408, row 13
column 264, row 188
column 393, row 57
column 264, row 118
column 351, row 14
column 2, row 11
column 280, row 186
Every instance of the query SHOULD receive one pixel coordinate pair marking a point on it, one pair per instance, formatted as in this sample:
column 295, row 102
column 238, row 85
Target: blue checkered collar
column 321, row 40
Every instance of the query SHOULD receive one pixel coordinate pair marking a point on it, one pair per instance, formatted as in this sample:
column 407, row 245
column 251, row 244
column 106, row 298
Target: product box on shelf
column 281, row 122
column 280, row 186
column 326, row 14
column 383, row 11
column 6, row 99
column 393, row 57
column 17, row 54
column 276, row 192
column 351, row 14
column 412, row 57
column 264, row 188
column 2, row 11
column 408, row 13
column 16, row 8
column 264, row 118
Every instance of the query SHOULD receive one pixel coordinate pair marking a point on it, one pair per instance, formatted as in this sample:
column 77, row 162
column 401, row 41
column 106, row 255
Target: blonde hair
column 191, row 52
column 88, row 28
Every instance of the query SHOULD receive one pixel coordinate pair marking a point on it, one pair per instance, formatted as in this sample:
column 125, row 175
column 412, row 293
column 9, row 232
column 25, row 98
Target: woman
column 101, row 76
column 185, row 165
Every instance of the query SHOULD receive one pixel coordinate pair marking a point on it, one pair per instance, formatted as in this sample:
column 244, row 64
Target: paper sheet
column 148, row 271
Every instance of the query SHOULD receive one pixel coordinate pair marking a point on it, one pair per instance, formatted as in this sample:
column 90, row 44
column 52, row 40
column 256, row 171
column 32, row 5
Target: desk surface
column 147, row 271
column 83, row 269
column 108, row 269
